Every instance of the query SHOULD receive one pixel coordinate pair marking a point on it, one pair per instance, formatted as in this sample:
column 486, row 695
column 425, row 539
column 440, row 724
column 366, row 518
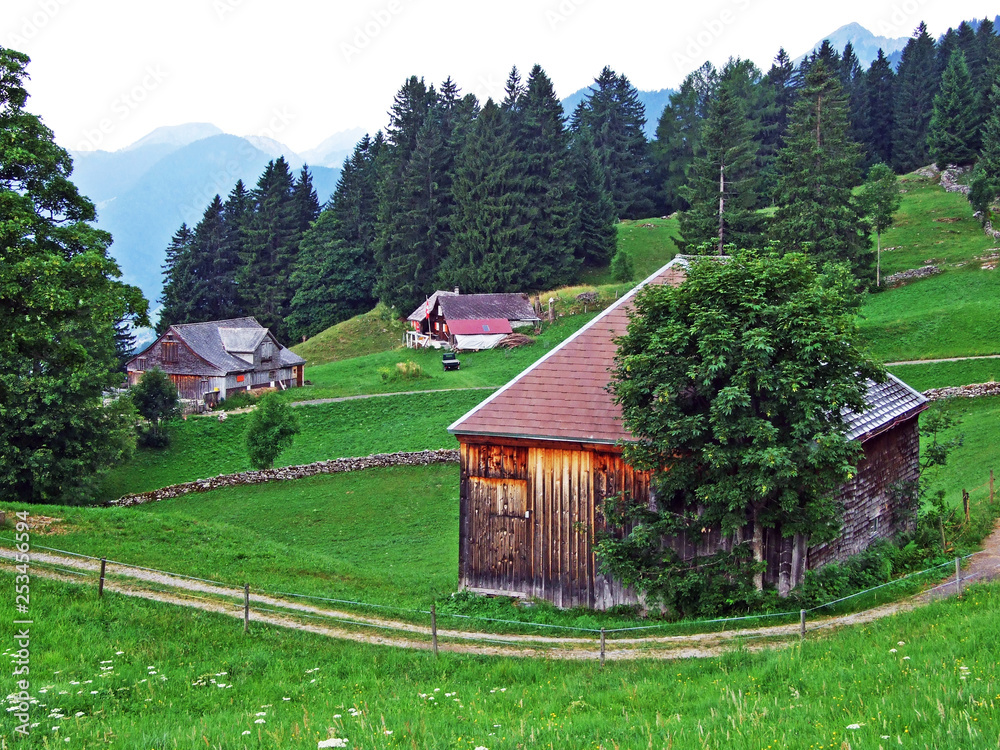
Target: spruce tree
column 596, row 235
column 211, row 282
column 880, row 104
column 237, row 211
column 306, row 201
column 916, row 87
column 678, row 135
column 777, row 93
column 817, row 212
column 722, row 189
column 177, row 280
column 615, row 117
column 334, row 275
column 487, row 254
column 953, row 128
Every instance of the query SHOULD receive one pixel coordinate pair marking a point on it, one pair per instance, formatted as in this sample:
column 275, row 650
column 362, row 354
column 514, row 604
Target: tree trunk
column 758, row 550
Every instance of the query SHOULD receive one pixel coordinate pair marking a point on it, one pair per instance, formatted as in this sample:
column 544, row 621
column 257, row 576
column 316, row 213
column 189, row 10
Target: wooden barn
column 540, row 455
column 468, row 321
column 210, row 361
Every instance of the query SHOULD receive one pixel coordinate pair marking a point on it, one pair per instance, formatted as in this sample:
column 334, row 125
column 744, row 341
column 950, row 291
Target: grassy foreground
column 128, row 673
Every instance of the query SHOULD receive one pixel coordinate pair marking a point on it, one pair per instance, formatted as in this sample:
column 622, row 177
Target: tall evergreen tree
column 777, row 93
column 615, row 117
column 305, row 199
column 596, row 236
column 722, row 189
column 237, row 211
column 487, row 254
column 177, row 280
column 953, row 127
column 917, row 85
column 880, row 104
column 817, row 212
column 334, row 275
column 271, row 241
column 211, row 282
column 678, row 135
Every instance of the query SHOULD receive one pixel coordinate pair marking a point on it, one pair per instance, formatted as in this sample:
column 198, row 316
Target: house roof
column 213, row 340
column 479, row 326
column 485, row 306
column 420, row 313
column 563, row 395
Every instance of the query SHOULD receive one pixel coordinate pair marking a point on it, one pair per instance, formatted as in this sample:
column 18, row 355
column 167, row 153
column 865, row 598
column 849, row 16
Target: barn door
column 505, row 534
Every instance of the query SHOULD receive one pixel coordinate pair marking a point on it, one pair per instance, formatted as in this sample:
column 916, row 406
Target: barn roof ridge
column 676, row 260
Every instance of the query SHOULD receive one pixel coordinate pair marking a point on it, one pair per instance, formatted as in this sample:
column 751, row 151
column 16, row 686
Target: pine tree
column 236, row 213
column 817, row 212
column 177, row 280
column 487, row 254
column 880, row 104
column 722, row 190
column 615, row 117
column 210, row 282
column 271, row 240
column 305, row 199
column 678, row 135
column 777, row 94
column 596, row 235
column 917, row 85
column 953, row 128
column 541, row 145
column 985, row 186
column 334, row 275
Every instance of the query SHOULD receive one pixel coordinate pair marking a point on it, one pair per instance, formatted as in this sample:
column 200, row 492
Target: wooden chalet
column 210, row 361
column 468, row 321
column 540, row 455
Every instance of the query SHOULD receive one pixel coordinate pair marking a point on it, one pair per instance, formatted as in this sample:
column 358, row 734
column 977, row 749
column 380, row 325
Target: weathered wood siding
column 530, row 512
column 529, row 516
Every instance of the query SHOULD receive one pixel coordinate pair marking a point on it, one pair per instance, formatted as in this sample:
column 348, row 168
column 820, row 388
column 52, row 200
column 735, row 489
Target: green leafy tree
column 953, row 128
column 272, row 428
column 817, row 210
column 881, row 198
column 155, row 398
column 733, row 386
column 722, row 186
column 59, row 299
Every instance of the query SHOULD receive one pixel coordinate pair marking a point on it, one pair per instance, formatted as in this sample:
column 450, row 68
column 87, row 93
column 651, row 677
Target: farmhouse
column 468, row 321
column 540, row 455
column 210, row 361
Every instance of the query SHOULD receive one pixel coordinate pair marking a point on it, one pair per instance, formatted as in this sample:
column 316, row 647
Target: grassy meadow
column 130, row 673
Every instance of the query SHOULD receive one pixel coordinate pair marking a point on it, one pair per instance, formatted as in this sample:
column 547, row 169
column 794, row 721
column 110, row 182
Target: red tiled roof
column 563, row 396
column 480, row 326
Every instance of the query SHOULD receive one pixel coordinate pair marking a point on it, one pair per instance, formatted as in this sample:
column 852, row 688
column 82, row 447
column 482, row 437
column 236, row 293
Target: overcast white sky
column 106, row 72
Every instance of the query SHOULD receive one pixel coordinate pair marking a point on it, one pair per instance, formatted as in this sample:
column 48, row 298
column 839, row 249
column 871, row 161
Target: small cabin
column 468, row 321
column 210, row 361
column 539, row 457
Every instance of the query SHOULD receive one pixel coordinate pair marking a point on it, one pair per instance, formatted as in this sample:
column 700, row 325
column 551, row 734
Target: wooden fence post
column 965, row 504
column 802, row 625
column 434, row 629
column 246, row 607
column 602, row 647
column 958, row 575
column 100, row 584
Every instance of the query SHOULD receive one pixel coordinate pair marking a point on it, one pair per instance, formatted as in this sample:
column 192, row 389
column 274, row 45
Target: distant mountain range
column 144, row 192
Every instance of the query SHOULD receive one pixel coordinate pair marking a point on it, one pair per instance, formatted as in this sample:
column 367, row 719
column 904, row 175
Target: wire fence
column 260, row 595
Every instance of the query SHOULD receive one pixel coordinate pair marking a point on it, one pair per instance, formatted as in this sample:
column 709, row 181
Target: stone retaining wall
column 334, row 466
column 964, row 391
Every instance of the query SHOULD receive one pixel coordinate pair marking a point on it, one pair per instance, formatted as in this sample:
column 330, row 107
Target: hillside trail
column 132, row 581
column 946, row 359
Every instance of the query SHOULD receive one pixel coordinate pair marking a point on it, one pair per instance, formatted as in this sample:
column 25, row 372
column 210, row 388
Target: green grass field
column 133, row 674
column 941, row 374
column 378, row 330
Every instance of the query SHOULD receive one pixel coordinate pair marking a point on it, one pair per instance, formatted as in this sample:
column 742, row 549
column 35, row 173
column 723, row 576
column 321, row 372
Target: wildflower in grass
column 906, row 658
column 79, row 714
column 892, row 650
column 855, row 726
column 119, row 653
column 336, row 716
column 900, row 643
column 260, row 721
column 286, row 699
column 333, row 742
column 246, row 731
column 387, row 732
column 481, row 747
column 261, row 713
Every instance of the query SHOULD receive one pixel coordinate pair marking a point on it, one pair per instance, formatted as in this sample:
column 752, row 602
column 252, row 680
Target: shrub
column 272, row 428
column 408, row 370
column 621, row 267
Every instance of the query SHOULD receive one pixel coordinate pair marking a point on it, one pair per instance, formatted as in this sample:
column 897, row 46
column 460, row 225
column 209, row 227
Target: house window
column 266, row 351
column 140, row 364
column 271, row 374
column 169, row 351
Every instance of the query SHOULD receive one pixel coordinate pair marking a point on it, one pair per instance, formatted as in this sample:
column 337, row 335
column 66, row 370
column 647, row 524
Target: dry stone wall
column 334, row 466
column 963, row 391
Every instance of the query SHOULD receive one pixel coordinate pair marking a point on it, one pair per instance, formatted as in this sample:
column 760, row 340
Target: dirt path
column 315, row 401
column 281, row 612
column 947, row 359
